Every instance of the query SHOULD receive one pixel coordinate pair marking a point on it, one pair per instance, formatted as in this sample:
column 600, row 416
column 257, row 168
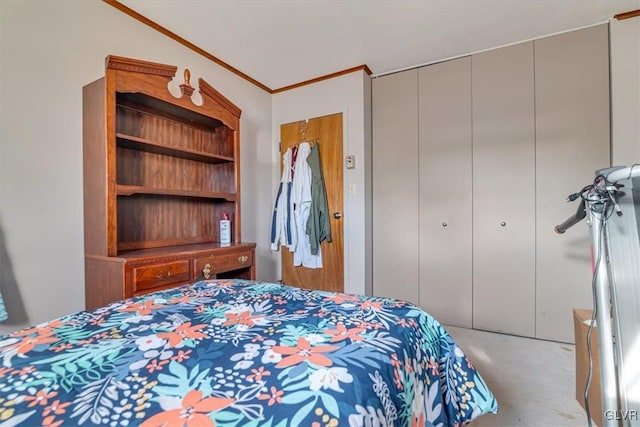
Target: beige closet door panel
column 395, row 186
column 504, row 190
column 572, row 141
column 445, row 191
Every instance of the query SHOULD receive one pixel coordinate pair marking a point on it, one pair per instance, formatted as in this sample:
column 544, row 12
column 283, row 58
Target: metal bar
column 603, row 317
column 624, row 173
column 623, row 249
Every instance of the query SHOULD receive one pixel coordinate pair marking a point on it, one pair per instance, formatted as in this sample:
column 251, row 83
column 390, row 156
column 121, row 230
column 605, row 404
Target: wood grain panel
column 213, row 138
column 156, row 257
column 141, row 168
column 147, row 221
column 199, row 265
column 105, row 277
column 160, row 172
column 236, row 209
column 110, row 129
column 222, row 263
column 94, row 168
column 157, row 96
column 327, row 131
column 152, row 276
column 150, row 146
column 233, row 261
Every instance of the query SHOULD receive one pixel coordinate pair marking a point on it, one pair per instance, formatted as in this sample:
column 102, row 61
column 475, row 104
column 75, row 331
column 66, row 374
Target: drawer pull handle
column 166, row 275
column 206, row 271
column 242, row 259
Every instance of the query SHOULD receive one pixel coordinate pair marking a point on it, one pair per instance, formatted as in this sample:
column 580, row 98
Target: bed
column 240, row 353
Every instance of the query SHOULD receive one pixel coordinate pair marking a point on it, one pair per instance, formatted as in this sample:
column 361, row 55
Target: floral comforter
column 240, row 353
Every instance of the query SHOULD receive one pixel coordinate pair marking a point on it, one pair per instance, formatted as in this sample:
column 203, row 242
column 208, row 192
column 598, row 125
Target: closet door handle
column 337, row 215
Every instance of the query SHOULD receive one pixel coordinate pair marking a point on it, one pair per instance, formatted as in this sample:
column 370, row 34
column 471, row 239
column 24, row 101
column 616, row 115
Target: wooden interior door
column 327, row 132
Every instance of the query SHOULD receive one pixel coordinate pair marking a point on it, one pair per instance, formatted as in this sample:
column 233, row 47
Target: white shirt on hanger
column 283, row 230
column 301, row 198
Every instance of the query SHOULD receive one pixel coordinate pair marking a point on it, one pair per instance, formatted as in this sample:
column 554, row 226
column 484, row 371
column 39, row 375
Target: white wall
column 346, row 94
column 625, row 91
column 50, row 49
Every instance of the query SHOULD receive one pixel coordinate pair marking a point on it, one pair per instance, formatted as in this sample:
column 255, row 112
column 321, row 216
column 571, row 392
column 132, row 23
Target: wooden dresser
column 160, row 172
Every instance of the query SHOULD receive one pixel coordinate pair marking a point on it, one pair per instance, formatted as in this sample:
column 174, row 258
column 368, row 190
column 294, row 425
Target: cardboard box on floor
column 581, row 320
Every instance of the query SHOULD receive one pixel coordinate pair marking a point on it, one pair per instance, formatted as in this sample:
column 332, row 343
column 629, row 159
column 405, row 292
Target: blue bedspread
column 240, row 353
column 3, row 311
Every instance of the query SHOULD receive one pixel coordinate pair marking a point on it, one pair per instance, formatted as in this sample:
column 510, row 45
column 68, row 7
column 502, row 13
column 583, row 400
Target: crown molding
column 186, row 43
column 627, row 15
column 362, row 67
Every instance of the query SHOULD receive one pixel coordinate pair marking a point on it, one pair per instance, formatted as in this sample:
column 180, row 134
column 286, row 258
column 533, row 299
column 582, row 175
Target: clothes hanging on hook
column 301, row 198
column 282, row 231
column 292, row 164
column 300, row 219
column 303, row 131
column 310, row 142
column 318, row 227
column 298, row 215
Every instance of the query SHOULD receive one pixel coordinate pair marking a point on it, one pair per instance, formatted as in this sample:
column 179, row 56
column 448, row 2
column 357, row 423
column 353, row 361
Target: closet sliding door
column 572, row 142
column 473, row 159
column 445, row 191
column 504, row 190
column 395, row 186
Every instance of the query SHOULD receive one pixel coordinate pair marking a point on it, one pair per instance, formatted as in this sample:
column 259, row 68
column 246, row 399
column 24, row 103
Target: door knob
column 337, row 215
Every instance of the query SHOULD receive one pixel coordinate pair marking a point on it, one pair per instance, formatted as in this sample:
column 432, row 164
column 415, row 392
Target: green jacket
column 318, row 228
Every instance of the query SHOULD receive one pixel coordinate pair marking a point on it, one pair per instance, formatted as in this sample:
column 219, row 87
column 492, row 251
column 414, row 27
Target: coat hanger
column 303, row 131
column 303, row 134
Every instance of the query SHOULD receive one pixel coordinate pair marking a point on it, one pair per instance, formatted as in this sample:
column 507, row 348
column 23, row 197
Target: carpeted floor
column 533, row 380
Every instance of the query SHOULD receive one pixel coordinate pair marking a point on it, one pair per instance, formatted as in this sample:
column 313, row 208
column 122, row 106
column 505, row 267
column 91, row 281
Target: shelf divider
column 136, row 143
column 130, row 190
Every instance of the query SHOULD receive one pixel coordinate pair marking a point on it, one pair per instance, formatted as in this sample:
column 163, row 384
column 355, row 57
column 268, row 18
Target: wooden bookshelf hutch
column 159, row 173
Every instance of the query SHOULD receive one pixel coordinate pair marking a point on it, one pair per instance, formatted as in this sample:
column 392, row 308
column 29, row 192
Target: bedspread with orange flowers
column 240, row 353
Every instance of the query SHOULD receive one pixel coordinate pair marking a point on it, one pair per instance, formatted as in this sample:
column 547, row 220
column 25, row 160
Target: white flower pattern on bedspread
column 240, row 353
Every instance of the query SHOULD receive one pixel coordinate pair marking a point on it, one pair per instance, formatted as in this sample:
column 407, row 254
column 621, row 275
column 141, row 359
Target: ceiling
column 283, row 42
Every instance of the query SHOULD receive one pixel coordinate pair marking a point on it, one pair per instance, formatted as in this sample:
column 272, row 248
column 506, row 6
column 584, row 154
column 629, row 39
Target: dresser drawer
column 214, row 264
column 152, row 276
